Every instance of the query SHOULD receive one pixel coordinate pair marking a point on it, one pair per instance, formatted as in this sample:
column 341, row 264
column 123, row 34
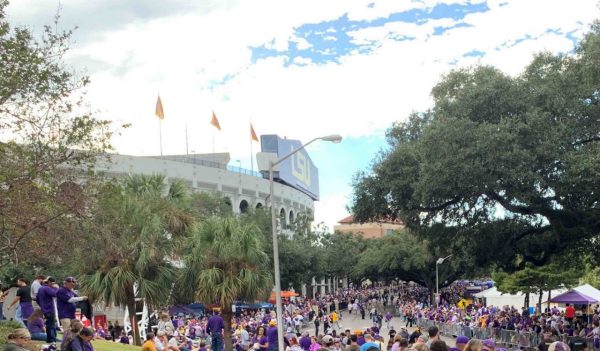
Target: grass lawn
column 101, row 345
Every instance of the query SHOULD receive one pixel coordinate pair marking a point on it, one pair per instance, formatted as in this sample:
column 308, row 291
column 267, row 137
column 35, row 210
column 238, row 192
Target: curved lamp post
column 437, row 285
column 334, row 138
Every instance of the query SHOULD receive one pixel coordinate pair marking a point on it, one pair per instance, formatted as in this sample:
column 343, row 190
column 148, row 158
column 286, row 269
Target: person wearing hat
column 360, row 338
column 66, row 302
column 559, row 346
column 461, row 343
column 327, row 342
column 45, row 299
column 489, row 345
column 272, row 336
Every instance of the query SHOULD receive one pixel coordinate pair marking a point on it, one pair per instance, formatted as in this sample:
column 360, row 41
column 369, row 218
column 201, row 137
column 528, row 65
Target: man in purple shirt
column 66, row 301
column 215, row 326
column 45, row 298
column 305, row 341
column 272, row 336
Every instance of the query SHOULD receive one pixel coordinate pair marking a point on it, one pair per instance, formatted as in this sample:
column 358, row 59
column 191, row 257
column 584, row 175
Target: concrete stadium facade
column 245, row 189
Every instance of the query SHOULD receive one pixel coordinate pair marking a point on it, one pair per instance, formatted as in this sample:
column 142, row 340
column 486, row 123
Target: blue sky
column 299, row 69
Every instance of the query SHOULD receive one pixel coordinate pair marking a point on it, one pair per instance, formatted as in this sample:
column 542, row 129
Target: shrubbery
column 6, row 327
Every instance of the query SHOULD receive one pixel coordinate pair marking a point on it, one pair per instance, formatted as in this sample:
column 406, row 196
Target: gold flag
column 159, row 109
column 253, row 133
column 214, row 121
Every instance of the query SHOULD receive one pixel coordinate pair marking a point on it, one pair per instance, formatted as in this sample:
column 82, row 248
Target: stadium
column 296, row 180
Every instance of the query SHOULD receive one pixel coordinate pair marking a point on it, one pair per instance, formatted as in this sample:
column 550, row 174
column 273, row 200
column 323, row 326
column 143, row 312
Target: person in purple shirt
column 272, row 336
column 388, row 319
column 35, row 325
column 82, row 341
column 305, row 341
column 361, row 340
column 266, row 319
column 66, row 301
column 261, row 339
column 215, row 326
column 45, row 298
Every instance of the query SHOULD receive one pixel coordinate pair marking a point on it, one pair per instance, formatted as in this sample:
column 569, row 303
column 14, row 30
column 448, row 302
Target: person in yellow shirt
column 335, row 319
column 149, row 343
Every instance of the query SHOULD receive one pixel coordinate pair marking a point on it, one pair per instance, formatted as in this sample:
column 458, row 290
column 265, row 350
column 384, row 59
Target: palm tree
column 226, row 263
column 136, row 228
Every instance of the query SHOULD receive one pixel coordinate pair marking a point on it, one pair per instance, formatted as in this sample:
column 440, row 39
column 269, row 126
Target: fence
column 507, row 338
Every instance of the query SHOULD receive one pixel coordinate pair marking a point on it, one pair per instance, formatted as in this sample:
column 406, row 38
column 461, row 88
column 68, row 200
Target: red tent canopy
column 285, row 294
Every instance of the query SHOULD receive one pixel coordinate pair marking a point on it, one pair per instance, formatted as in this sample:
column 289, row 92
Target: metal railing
column 212, row 164
column 244, row 171
column 507, row 338
column 510, row 338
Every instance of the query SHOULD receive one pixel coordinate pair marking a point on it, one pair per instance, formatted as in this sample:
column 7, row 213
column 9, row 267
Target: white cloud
column 302, row 43
column 200, row 60
column 331, row 209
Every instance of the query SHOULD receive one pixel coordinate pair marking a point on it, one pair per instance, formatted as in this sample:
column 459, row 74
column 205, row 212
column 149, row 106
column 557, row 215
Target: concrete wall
column 241, row 189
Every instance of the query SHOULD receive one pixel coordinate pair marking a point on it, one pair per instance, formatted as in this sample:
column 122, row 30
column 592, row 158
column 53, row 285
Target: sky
column 296, row 68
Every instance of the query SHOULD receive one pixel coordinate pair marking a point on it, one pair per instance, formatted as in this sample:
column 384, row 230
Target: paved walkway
column 354, row 322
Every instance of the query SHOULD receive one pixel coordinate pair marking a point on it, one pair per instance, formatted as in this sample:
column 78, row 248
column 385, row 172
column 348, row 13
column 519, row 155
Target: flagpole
column 160, row 135
column 213, row 135
column 251, row 157
column 186, row 141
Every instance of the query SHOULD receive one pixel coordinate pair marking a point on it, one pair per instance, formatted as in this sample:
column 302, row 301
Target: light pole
column 437, row 284
column 333, row 138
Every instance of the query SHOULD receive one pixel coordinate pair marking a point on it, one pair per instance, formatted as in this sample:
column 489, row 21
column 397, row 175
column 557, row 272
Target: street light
column 334, row 138
column 437, row 284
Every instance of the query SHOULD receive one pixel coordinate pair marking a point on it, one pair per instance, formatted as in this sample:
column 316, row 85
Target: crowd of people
column 551, row 325
column 309, row 324
column 45, row 307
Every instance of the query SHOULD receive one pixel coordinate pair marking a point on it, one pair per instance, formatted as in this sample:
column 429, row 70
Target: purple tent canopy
column 180, row 309
column 574, row 297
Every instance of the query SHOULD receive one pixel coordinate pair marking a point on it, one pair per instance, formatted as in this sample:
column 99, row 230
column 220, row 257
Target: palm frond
column 226, row 262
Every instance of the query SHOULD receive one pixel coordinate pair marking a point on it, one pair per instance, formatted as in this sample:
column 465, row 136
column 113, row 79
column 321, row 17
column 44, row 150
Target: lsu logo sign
column 301, row 168
column 297, row 171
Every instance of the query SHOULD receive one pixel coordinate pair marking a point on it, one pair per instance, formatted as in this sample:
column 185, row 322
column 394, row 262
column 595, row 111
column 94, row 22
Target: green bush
column 6, row 327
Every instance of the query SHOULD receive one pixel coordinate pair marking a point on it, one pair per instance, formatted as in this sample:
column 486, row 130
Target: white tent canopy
column 494, row 297
column 589, row 290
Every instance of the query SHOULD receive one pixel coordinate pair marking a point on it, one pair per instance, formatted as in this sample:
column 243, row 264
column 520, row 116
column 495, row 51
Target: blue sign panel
column 297, row 171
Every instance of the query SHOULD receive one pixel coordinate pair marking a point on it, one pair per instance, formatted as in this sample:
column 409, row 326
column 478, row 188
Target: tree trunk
column 227, row 315
column 133, row 317
column 526, row 300
column 540, row 301
column 549, row 297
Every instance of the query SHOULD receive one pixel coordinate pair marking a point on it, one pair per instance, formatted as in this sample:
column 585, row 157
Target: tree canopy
column 226, row 263
column 133, row 237
column 405, row 256
column 45, row 126
column 509, row 159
